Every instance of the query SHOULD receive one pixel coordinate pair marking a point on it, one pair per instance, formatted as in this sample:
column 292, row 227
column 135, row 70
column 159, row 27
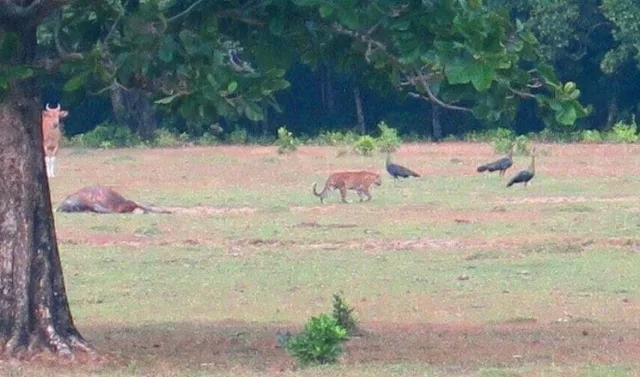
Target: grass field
column 451, row 274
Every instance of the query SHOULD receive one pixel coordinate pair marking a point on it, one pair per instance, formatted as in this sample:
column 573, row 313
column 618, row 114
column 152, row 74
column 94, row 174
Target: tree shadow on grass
column 237, row 346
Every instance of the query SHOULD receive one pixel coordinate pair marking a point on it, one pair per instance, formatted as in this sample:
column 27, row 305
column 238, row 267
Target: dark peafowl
column 399, row 171
column 502, row 164
column 525, row 175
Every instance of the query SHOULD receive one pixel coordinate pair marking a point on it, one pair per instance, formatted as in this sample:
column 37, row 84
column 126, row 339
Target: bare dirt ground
column 460, row 346
column 466, row 345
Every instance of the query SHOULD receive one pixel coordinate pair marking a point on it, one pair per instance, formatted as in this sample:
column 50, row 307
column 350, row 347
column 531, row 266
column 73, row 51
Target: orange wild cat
column 359, row 181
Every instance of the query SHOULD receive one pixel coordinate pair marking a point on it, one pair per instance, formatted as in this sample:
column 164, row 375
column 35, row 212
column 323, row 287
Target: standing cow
column 51, row 135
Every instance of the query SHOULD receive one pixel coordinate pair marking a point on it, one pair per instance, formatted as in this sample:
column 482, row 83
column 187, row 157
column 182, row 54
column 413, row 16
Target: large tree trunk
column 435, row 121
column 34, row 310
column 134, row 109
column 326, row 86
column 359, row 112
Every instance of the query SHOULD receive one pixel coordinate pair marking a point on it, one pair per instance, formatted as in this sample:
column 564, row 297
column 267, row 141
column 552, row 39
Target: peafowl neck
column 533, row 163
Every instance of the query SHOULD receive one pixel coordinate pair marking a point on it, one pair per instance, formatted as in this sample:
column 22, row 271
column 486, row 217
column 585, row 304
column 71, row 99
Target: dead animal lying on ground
column 359, row 181
column 102, row 199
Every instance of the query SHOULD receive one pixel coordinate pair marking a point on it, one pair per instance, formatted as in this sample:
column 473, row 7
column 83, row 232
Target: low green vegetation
column 385, row 139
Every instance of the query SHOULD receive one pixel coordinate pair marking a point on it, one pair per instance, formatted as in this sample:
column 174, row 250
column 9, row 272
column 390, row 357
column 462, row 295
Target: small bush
column 207, row 138
column 107, row 135
column 238, row 136
column 365, row 145
column 591, row 136
column 343, row 314
column 522, row 145
column 549, row 135
column 163, row 138
column 502, row 140
column 286, row 142
column 623, row 133
column 319, row 343
column 389, row 141
column 336, row 138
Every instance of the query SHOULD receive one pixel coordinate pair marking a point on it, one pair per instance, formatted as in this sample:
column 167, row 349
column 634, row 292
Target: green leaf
column 76, row 82
column 167, row 48
column 567, row 116
column 19, row 72
column 233, row 85
column 189, row 41
column 326, row 11
column 463, row 72
column 9, row 46
column 212, row 80
column 482, row 77
column 253, row 112
column 547, row 74
column 279, row 84
column 4, row 81
column 276, row 26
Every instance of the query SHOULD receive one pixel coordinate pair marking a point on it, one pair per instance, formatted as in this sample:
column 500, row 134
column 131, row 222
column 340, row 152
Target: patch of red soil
column 469, row 345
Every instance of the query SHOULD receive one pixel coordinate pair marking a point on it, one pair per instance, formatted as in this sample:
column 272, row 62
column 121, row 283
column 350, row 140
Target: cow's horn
column 47, row 106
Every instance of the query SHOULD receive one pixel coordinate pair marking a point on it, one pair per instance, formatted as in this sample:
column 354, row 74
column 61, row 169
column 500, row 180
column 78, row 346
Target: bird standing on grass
column 502, row 164
column 398, row 171
column 525, row 176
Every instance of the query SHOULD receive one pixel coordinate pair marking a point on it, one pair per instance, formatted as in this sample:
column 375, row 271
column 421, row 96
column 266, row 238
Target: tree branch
column 521, row 94
column 414, row 79
column 28, row 16
column 185, row 12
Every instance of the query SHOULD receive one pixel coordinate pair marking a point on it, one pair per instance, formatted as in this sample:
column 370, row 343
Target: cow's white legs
column 50, row 162
column 53, row 166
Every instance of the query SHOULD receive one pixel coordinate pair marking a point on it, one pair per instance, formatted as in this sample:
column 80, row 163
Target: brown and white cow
column 101, row 199
column 51, row 133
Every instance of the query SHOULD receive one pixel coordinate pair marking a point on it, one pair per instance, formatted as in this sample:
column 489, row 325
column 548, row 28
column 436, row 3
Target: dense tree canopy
column 201, row 61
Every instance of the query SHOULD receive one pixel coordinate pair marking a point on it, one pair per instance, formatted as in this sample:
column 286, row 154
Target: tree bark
column 435, row 122
column 133, row 108
column 265, row 122
column 359, row 112
column 328, row 97
column 34, row 310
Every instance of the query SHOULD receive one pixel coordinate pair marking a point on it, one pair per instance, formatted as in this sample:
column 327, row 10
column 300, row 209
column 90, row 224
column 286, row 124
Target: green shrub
column 502, row 140
column 343, row 314
column 549, row 135
column 319, row 343
column 623, row 133
column 286, row 142
column 388, row 141
column 365, row 145
column 238, row 136
column 163, row 138
column 336, row 138
column 591, row 136
column 522, row 145
column 477, row 136
column 207, row 138
column 107, row 135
